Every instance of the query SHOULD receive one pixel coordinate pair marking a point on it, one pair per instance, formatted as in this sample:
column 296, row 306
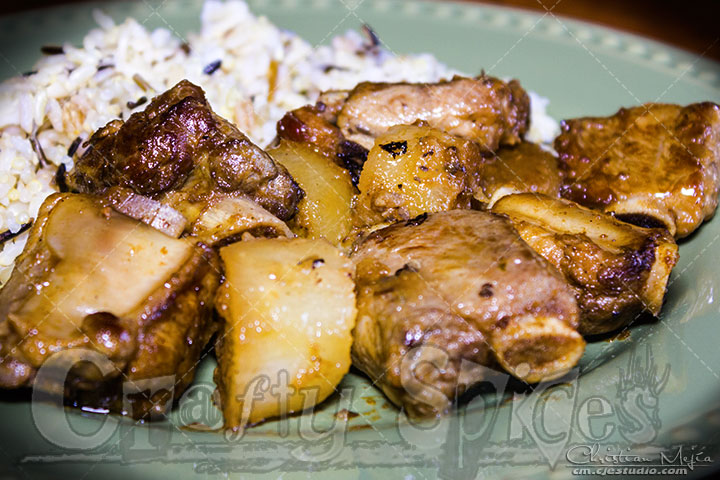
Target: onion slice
column 151, row 212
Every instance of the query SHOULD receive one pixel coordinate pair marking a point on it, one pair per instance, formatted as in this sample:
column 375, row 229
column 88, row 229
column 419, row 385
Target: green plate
column 636, row 401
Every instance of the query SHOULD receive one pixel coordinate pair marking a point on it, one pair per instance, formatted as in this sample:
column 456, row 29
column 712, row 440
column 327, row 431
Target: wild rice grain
column 137, row 102
column 60, row 181
column 42, row 159
column 73, row 147
column 52, row 50
column 371, row 35
column 211, row 68
column 8, row 234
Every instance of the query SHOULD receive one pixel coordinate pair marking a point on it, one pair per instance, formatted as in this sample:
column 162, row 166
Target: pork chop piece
column 140, row 298
column 652, row 165
column 178, row 151
column 520, row 168
column 616, row 269
column 483, row 109
column 466, row 287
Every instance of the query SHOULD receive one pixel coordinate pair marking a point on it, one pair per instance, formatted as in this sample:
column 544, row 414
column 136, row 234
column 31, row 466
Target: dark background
column 693, row 24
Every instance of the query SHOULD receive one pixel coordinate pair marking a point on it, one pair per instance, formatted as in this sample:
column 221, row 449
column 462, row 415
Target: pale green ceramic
column 584, row 70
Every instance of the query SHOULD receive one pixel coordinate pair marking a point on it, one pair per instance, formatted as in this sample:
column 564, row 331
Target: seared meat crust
column 658, row 162
column 524, row 167
column 464, row 282
column 616, row 269
column 399, row 312
column 179, row 144
column 484, row 109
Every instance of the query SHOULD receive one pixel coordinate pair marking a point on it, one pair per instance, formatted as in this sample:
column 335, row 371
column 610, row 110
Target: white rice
column 71, row 97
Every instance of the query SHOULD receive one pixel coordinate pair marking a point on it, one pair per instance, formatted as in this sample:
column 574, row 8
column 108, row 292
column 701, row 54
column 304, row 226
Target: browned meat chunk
column 180, row 152
column 652, row 165
column 140, row 298
column 308, row 125
column 464, row 284
column 484, row 109
column 616, row 269
column 524, row 167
